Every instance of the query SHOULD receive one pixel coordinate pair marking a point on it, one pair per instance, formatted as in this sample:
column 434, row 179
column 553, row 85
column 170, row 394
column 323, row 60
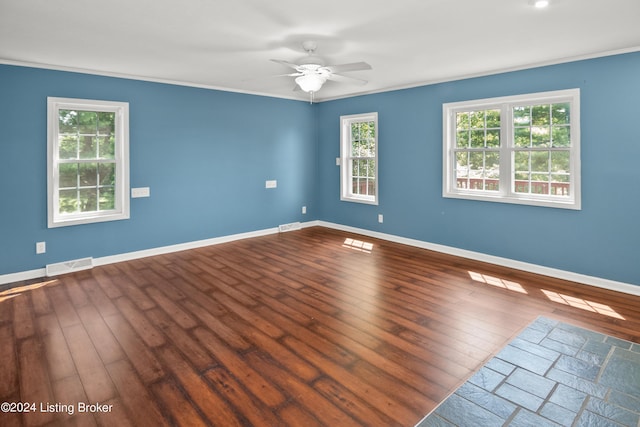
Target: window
column 520, row 149
column 88, row 161
column 359, row 158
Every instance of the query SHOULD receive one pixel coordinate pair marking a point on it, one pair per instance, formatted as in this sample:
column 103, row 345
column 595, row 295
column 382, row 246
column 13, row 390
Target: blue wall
column 601, row 240
column 204, row 154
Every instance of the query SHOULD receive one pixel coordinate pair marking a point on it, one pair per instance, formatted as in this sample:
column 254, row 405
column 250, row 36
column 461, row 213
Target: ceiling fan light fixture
column 310, row 82
column 540, row 4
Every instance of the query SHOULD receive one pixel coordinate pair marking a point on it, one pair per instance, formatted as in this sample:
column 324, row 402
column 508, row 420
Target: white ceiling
column 228, row 44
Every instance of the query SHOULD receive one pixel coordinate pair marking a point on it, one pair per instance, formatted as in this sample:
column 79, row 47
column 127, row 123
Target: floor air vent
column 289, row 227
column 69, row 266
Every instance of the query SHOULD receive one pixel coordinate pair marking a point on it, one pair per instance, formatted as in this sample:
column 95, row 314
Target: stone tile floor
column 551, row 374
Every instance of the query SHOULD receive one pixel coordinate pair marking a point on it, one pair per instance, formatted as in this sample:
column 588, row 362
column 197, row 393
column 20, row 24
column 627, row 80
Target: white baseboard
column 181, row 247
column 41, row 272
column 21, row 276
column 478, row 256
column 599, row 282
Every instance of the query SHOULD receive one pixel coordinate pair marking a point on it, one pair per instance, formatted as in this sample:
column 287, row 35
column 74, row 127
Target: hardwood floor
column 308, row 328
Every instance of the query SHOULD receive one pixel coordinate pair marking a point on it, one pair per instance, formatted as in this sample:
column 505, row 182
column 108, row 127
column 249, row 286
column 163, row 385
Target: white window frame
column 121, row 161
column 506, row 192
column 347, row 157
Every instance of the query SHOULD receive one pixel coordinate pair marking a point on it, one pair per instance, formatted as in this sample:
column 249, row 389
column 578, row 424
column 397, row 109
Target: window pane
column 88, row 173
column 107, row 198
column 560, row 185
column 522, row 137
column 370, row 129
column 462, row 120
column 67, row 121
column 476, row 170
column 493, row 119
column 477, row 119
column 493, row 138
column 561, row 136
column 371, row 187
column 560, row 161
column 355, row 187
column 560, row 113
column 106, row 147
column 88, row 200
column 521, row 160
column 371, row 168
column 68, row 175
column 540, row 161
column 88, row 147
column 355, row 131
column 462, row 139
column 521, row 185
column 492, row 164
column 87, row 122
column 462, row 169
column 106, row 122
column 68, row 201
column 491, row 185
column 540, row 136
column 358, row 148
column 477, row 138
column 491, row 171
column 363, row 168
column 354, row 168
column 540, row 115
column 68, row 146
column 107, row 173
column 522, row 116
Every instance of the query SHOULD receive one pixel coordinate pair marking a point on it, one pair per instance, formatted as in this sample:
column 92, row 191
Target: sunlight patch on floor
column 14, row 292
column 497, row 282
column 358, row 245
column 582, row 304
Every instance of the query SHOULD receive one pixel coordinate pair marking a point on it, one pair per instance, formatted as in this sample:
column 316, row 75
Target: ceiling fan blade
column 346, row 79
column 287, row 63
column 354, row 66
column 289, row 75
column 270, row 77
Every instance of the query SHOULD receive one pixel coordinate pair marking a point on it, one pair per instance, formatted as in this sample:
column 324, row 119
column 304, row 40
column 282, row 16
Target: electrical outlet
column 271, row 184
column 380, row 218
column 41, row 247
column 304, row 210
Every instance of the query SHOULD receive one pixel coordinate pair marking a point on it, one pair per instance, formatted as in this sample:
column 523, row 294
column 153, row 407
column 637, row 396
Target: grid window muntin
column 359, row 154
column 88, row 161
column 537, row 161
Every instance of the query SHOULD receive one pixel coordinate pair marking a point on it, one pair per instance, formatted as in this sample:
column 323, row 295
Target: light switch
column 140, row 192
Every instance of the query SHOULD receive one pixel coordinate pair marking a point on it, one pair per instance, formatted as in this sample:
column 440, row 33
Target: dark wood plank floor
column 309, row 328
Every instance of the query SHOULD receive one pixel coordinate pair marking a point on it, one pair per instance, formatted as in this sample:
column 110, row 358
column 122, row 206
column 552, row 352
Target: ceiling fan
column 311, row 73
